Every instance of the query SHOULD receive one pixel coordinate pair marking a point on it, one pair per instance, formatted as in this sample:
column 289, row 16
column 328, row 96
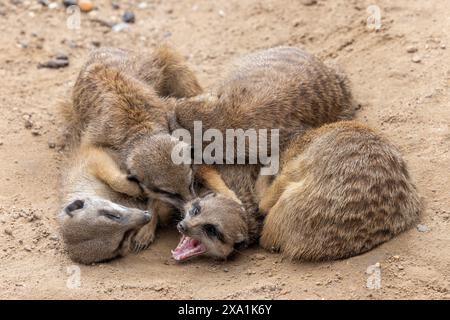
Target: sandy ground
column 408, row 101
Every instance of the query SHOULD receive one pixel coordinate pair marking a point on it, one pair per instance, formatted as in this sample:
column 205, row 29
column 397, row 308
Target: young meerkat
column 98, row 220
column 216, row 224
column 281, row 88
column 342, row 190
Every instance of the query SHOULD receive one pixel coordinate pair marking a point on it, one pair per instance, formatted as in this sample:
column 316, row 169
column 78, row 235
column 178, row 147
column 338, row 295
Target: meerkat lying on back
column 342, row 191
column 281, row 88
column 98, row 220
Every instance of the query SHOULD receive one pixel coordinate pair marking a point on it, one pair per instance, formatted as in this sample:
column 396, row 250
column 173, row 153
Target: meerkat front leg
column 146, row 235
column 212, row 179
column 103, row 166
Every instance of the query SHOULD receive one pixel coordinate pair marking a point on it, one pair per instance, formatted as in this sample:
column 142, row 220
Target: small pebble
column 54, row 64
column 259, row 256
column 115, row 4
column 221, row 13
column 68, row 3
column 400, row 267
column 44, row 3
column 27, row 248
column 142, row 5
column 128, row 17
column 225, row 270
column 8, row 232
column 416, row 59
column 411, row 49
column 53, row 5
column 120, row 27
column 51, row 145
column 61, row 56
column 85, row 5
column 422, row 228
column 309, row 2
column 28, row 124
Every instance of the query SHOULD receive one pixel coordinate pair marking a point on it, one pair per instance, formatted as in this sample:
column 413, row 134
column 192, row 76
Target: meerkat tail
column 103, row 166
column 271, row 193
column 179, row 80
column 213, row 180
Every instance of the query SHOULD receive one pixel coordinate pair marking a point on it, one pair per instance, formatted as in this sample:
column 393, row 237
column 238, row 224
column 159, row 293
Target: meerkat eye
column 195, row 210
column 167, row 193
column 110, row 215
column 212, row 232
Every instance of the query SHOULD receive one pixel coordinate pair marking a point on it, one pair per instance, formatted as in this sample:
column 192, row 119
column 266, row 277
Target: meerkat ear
column 75, row 205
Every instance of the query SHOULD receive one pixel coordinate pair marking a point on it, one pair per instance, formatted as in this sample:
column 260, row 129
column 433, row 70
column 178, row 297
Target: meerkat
column 98, row 220
column 342, row 190
column 216, row 224
column 281, row 88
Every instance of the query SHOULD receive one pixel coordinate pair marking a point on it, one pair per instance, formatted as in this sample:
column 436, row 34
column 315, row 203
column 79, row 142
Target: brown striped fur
column 281, row 88
column 342, row 190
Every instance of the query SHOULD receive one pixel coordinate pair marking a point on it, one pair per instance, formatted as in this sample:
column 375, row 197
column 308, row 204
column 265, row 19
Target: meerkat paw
column 144, row 237
column 124, row 185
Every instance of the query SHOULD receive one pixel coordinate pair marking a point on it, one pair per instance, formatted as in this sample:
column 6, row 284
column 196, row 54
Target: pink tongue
column 187, row 248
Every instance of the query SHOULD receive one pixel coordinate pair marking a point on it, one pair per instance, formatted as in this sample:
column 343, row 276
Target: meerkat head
column 213, row 225
column 95, row 229
column 150, row 163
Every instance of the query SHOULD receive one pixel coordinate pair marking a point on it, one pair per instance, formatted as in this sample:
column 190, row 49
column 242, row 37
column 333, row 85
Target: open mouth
column 188, row 248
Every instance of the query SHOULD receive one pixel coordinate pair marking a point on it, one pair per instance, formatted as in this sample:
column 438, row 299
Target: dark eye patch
column 196, row 209
column 110, row 215
column 212, row 232
column 75, row 205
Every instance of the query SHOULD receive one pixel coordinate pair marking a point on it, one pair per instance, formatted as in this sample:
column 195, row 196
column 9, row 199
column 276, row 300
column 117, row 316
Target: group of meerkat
column 342, row 189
